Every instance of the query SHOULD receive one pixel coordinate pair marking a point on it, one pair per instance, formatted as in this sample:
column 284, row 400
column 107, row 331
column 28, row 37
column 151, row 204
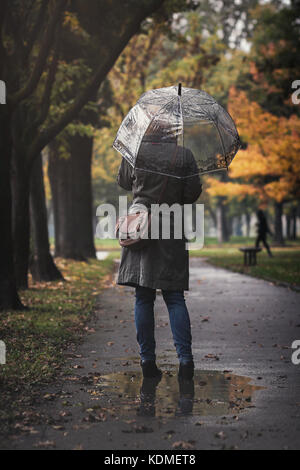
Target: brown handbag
column 131, row 228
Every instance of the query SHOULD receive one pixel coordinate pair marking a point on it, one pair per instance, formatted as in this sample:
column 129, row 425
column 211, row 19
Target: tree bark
column 43, row 54
column 21, row 221
column 71, row 188
column 9, row 298
column 112, row 41
column 42, row 266
column 278, row 235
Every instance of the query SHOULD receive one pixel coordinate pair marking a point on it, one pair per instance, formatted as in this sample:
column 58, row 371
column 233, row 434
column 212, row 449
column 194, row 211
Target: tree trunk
column 239, row 225
column 229, row 224
column 288, row 219
column 21, row 220
column 82, row 152
column 42, row 266
column 294, row 229
column 212, row 215
column 222, row 229
column 9, row 298
column 124, row 27
column 278, row 236
column 71, row 188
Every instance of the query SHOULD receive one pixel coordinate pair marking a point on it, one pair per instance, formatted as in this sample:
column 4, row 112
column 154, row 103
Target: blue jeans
column 179, row 320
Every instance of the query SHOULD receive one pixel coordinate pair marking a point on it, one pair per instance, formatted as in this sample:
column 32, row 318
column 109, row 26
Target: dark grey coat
column 162, row 264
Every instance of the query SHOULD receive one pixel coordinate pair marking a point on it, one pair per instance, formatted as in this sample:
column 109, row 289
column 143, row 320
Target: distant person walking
column 262, row 231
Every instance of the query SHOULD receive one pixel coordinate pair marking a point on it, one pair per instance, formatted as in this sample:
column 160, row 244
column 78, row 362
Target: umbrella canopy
column 179, row 132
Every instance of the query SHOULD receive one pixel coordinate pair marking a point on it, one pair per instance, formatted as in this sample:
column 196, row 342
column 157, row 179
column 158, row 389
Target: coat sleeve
column 192, row 187
column 125, row 175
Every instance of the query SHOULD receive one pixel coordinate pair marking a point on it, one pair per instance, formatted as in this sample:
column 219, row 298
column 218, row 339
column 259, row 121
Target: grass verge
column 283, row 268
column 37, row 338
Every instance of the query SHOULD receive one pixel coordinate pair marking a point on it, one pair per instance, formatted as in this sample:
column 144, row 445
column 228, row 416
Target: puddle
column 211, row 393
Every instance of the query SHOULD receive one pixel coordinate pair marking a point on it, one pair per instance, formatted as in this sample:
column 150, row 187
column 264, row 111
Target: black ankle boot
column 186, row 401
column 150, row 370
column 186, row 371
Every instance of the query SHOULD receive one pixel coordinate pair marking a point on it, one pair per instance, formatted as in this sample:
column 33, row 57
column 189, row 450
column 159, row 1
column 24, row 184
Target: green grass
column 284, row 267
column 209, row 242
column 213, row 241
column 36, row 338
column 107, row 244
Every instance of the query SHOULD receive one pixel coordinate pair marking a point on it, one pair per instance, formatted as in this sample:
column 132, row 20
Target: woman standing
column 162, row 263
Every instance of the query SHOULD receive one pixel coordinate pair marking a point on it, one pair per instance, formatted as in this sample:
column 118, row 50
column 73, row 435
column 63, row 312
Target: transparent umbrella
column 177, row 131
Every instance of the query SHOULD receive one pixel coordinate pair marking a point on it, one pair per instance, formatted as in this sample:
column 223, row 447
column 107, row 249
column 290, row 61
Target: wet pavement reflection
column 211, row 393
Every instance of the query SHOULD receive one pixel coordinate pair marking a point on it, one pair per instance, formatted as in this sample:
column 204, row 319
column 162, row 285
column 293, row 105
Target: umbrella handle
column 179, row 89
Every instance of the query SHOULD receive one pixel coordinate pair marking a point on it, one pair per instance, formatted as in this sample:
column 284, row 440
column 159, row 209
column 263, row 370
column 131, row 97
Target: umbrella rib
column 138, row 147
column 221, row 138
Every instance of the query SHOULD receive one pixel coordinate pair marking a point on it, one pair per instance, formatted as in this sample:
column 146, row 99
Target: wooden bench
column 250, row 255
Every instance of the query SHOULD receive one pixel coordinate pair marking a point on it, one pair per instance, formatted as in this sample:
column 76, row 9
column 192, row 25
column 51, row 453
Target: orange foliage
column 229, row 189
column 270, row 166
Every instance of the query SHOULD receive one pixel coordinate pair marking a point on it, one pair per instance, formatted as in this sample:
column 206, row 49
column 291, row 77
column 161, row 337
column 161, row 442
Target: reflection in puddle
column 211, row 393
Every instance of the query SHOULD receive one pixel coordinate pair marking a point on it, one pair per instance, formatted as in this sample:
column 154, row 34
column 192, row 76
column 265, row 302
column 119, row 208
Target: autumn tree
column 224, row 15
column 28, row 48
column 127, row 80
column 159, row 56
column 265, row 74
column 193, row 52
column 269, row 167
column 273, row 59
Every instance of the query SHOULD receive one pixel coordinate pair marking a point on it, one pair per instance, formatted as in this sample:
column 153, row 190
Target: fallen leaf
column 183, row 445
column 45, row 444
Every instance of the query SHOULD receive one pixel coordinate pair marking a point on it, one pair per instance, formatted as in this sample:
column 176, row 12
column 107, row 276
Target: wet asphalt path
column 240, row 325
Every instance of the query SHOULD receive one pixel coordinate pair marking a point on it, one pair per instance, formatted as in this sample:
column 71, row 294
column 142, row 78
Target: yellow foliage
column 270, row 165
column 71, row 20
column 128, row 81
column 229, row 189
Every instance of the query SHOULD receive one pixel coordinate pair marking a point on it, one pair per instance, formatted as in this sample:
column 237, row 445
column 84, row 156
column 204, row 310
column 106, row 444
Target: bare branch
column 42, row 57
column 13, row 21
column 46, row 100
column 2, row 22
column 49, row 134
column 108, row 59
column 36, row 28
